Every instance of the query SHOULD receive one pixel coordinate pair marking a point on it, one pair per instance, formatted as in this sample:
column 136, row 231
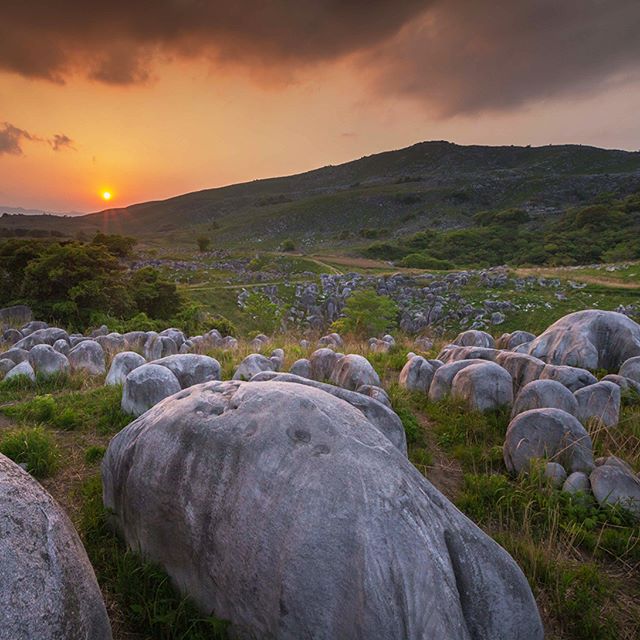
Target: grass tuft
column 33, row 447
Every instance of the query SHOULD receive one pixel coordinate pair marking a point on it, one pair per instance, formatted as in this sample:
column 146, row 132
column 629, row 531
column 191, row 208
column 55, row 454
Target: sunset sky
column 149, row 100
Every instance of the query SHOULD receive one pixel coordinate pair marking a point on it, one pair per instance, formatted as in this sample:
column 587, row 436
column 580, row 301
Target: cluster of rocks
column 552, row 395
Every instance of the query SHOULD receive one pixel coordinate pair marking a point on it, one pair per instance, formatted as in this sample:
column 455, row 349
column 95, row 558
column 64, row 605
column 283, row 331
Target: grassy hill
column 386, row 195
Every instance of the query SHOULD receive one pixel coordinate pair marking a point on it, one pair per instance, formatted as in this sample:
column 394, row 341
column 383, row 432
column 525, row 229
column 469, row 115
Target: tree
column 367, row 314
column 154, row 295
column 204, row 243
column 288, row 245
column 118, row 245
column 15, row 255
column 266, row 315
column 70, row 282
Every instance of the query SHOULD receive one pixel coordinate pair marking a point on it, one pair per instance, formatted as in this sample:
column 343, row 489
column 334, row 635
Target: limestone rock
column 252, row 364
column 573, row 378
column 416, row 375
column 353, row 371
column 145, row 386
column 122, row 365
column 88, row 357
column 601, row 402
column 48, row 362
column 483, row 386
column 545, row 394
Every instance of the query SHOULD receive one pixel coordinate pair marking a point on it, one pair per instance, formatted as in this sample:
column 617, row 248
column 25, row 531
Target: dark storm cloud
column 60, row 142
column 465, row 56
column 11, row 139
column 457, row 55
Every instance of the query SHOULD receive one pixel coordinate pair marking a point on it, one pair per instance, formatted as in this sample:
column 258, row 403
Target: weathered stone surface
column 6, row 365
column 590, row 339
column 48, row 590
column 88, row 357
column 443, row 377
column 513, row 340
column 21, row 369
column 547, row 433
column 48, row 362
column 541, row 394
column 112, row 343
column 48, row 336
column 555, row 474
column 381, row 416
column 252, row 364
column 483, row 386
column 301, row 368
column 158, row 346
column 33, row 325
column 122, row 365
column 475, row 338
column 577, row 482
column 277, row 359
column 135, row 341
column 573, row 378
column 601, row 402
column 176, row 335
column 15, row 316
column 522, row 368
column 62, row 346
column 353, row 371
column 452, row 353
column 191, row 368
column 323, row 361
column 631, row 369
column 416, row 375
column 613, row 485
column 145, row 386
column 333, row 340
column 615, row 461
column 377, row 393
column 17, row 355
column 10, row 337
column 626, row 384
column 333, row 556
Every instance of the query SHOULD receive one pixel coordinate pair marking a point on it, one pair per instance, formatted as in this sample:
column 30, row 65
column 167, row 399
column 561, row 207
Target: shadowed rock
column 483, row 386
column 145, row 386
column 352, row 371
column 545, row 394
column 122, row 365
column 601, row 402
column 48, row 590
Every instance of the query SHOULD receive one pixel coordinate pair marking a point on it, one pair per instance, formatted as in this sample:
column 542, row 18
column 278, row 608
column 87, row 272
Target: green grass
column 22, row 387
column 96, row 409
column 94, row 454
column 150, row 604
column 33, row 447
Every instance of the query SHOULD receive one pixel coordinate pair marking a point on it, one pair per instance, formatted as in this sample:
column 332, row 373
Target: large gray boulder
column 10, row 337
column 252, row 364
column 15, row 316
column 48, row 590
column 341, row 536
column 191, row 368
column 88, row 357
column 452, row 353
column 62, row 346
column 135, row 341
column 577, row 482
column 443, row 377
column 145, row 386
column 613, row 485
column 627, row 385
column 42, row 336
column 599, row 402
column 112, row 343
column 512, row 340
column 590, row 339
column 475, row 338
column 277, row 359
column 332, row 340
column 15, row 354
column 47, row 361
column 33, row 325
column 573, row 378
column 416, row 375
column 544, row 394
column 483, row 386
column 5, row 366
column 22, row 369
column 631, row 369
column 157, row 346
column 353, row 371
column 377, row 393
column 323, row 361
column 551, row 434
column 175, row 334
column 301, row 367
column 522, row 368
column 378, row 413
column 122, row 365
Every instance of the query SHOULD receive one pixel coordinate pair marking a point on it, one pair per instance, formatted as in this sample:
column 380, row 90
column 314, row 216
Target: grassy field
column 582, row 561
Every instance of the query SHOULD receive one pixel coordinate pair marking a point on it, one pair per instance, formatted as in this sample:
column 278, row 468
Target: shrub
column 203, row 243
column 288, row 245
column 265, row 315
column 367, row 314
column 94, row 454
column 423, row 261
column 33, row 447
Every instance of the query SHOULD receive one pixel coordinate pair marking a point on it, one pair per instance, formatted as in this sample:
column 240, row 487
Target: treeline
column 78, row 284
column 597, row 233
column 19, row 232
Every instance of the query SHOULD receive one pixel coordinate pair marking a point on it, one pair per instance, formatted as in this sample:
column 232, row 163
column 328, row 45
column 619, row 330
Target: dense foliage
column 597, row 233
column 73, row 283
column 367, row 314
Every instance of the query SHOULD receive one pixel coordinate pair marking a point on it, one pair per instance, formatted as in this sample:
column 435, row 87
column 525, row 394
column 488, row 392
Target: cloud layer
column 12, row 138
column 458, row 56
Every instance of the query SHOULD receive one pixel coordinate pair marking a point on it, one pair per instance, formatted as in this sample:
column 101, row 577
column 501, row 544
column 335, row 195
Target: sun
column 106, row 195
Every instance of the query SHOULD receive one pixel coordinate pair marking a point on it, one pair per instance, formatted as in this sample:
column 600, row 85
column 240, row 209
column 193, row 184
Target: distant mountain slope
column 428, row 184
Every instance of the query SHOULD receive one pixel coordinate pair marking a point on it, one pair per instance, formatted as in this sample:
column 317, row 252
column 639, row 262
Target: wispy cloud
column 60, row 141
column 12, row 139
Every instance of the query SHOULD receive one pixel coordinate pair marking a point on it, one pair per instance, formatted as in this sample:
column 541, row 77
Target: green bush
column 33, row 447
column 288, row 245
column 204, row 243
column 265, row 315
column 423, row 261
column 94, row 454
column 367, row 314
